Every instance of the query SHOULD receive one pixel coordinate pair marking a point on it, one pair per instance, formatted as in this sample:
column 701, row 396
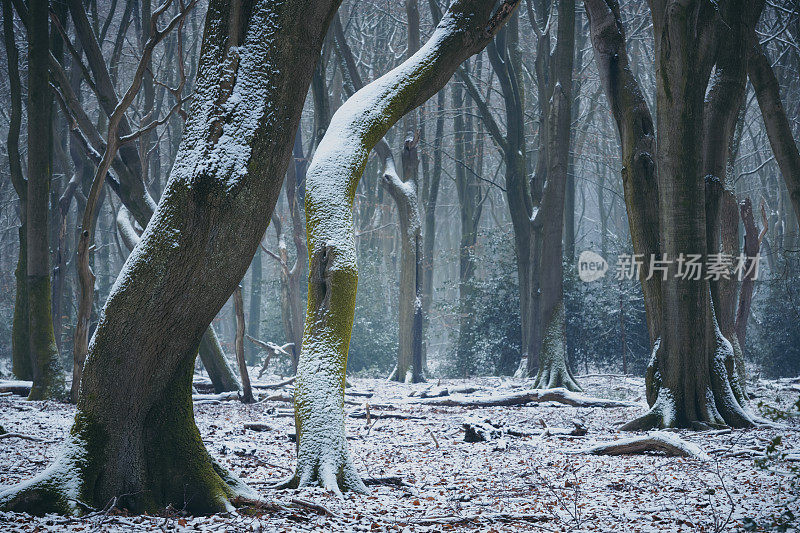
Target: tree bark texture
column 332, row 178
column 210, row 351
column 238, row 303
column 637, row 139
column 48, row 379
column 690, row 384
column 20, row 344
column 779, row 130
column 134, row 435
column 548, row 338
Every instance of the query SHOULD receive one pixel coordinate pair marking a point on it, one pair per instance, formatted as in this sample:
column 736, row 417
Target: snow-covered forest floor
column 531, row 480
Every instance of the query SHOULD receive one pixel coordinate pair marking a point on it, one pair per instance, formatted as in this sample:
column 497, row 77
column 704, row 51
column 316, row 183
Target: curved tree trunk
column 134, row 435
column 637, row 139
column 322, row 454
column 779, row 130
column 210, row 351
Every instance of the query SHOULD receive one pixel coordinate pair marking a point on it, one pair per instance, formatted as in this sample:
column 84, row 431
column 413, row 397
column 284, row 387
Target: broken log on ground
column 659, row 441
column 559, row 395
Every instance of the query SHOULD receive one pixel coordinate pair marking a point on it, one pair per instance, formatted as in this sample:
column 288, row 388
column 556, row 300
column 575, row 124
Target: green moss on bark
column 553, row 369
column 48, row 376
column 20, row 341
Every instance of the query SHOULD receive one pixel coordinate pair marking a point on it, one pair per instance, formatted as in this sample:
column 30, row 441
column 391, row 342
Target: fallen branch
column 659, row 441
column 21, row 436
column 471, row 519
column 255, row 426
column 319, row 508
column 223, row 396
column 559, row 395
column 386, row 480
column 274, row 385
column 358, row 413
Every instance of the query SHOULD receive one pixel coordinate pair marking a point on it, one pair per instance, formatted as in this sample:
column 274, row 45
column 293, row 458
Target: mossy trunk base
column 160, row 464
column 553, row 369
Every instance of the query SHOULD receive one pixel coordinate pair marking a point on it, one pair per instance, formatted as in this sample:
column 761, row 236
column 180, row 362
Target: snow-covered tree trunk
column 404, row 194
column 322, row 454
column 134, row 436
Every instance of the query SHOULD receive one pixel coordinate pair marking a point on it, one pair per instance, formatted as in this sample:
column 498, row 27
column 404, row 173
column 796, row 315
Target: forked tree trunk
column 404, row 194
column 692, row 378
column 134, row 436
column 322, row 454
column 723, row 103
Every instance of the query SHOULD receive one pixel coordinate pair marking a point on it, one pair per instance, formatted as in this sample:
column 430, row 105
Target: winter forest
column 400, row 265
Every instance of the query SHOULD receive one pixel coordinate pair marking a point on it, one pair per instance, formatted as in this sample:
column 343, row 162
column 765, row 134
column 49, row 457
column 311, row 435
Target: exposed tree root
column 659, row 441
column 328, row 473
column 724, row 404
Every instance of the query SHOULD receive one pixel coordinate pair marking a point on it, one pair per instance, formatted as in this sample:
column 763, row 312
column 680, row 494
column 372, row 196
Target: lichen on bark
column 334, row 173
column 134, row 440
column 553, row 369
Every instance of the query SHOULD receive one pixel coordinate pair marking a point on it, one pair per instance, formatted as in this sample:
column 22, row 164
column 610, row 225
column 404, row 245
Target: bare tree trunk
column 210, row 351
column 637, row 139
column 334, row 173
column 48, row 380
column 779, row 130
column 409, row 355
column 692, row 357
column 429, row 239
column 254, row 314
column 470, row 208
column 20, row 343
column 752, row 245
column 136, row 439
column 723, row 103
column 548, row 223
column 86, row 245
column 247, row 391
